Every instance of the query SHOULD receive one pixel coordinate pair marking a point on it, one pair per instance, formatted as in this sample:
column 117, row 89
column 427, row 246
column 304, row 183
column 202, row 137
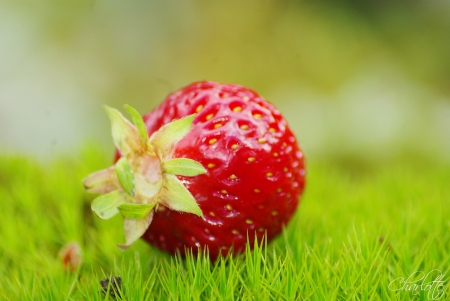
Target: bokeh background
column 355, row 79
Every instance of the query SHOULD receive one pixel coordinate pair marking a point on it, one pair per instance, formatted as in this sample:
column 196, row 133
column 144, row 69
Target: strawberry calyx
column 145, row 177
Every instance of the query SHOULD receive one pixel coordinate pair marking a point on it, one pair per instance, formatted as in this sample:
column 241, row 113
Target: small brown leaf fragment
column 70, row 256
column 114, row 284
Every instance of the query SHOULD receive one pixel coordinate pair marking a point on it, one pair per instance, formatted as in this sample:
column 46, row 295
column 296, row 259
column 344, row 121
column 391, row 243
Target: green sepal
column 125, row 175
column 102, row 181
column 105, row 206
column 165, row 139
column 124, row 133
column 175, row 196
column 183, row 167
column 135, row 211
column 135, row 228
column 139, row 123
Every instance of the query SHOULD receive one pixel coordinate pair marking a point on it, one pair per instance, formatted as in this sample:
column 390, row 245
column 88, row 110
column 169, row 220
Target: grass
column 360, row 226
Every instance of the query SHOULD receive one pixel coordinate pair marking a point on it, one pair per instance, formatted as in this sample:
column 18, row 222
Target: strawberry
column 247, row 172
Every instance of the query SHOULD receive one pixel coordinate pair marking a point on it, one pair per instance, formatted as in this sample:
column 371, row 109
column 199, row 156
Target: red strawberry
column 254, row 170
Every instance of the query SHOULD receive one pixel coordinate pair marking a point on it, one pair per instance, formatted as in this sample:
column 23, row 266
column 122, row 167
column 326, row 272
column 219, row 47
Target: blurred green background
column 355, row 79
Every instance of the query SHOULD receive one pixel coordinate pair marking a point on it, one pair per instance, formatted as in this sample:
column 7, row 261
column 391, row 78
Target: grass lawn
column 362, row 226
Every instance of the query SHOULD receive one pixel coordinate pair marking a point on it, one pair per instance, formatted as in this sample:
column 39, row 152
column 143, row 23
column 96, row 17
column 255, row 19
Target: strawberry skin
column 255, row 170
